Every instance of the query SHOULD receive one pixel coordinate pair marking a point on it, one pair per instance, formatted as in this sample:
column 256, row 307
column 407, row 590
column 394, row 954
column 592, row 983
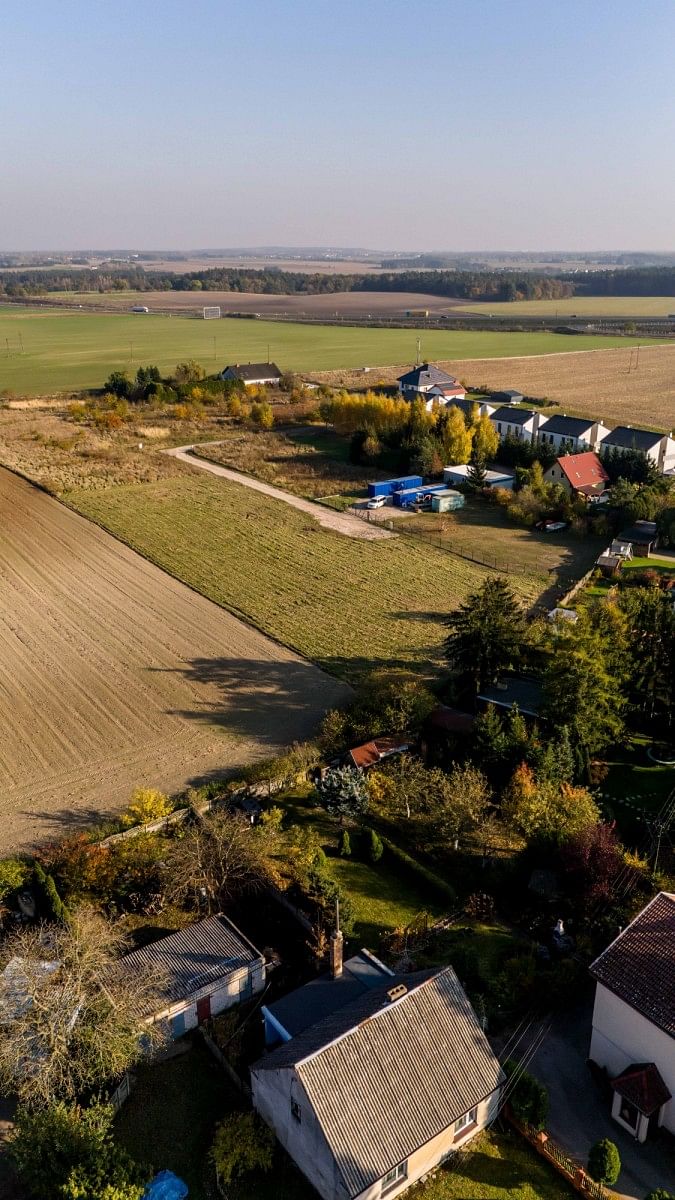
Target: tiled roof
column 426, row 375
column 572, row 427
column 373, row 752
column 641, row 1083
column 583, row 470
column 513, row 416
column 624, row 437
column 386, row 1076
column 251, row 371
column 192, row 958
column 639, row 965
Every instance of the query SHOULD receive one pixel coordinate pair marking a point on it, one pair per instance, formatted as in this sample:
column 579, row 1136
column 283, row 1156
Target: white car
column 378, row 502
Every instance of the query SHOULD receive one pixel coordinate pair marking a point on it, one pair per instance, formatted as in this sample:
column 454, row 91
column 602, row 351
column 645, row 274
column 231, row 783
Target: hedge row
column 418, row 873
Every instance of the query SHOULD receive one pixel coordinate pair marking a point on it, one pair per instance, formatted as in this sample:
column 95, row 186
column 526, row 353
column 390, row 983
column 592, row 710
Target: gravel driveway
column 345, row 523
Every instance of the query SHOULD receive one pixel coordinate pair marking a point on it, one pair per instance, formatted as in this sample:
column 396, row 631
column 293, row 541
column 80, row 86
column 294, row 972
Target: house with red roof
column 579, row 474
column 634, row 1019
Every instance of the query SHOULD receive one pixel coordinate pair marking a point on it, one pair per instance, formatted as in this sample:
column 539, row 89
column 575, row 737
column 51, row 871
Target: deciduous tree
column 220, row 855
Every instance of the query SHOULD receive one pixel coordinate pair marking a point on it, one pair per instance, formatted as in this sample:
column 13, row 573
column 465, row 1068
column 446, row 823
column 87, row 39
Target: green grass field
column 45, row 352
column 347, row 604
column 582, row 306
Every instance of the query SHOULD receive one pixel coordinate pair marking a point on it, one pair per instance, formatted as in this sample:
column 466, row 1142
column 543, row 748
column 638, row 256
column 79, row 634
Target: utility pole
column 131, row 350
column 419, row 352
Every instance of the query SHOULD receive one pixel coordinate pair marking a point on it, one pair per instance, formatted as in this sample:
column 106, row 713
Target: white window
column 393, row 1178
column 467, row 1120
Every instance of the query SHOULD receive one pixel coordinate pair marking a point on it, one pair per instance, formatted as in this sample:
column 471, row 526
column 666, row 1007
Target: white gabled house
column 382, row 1089
column 659, row 447
column 633, row 1034
column 252, row 374
column 571, row 434
column 520, row 423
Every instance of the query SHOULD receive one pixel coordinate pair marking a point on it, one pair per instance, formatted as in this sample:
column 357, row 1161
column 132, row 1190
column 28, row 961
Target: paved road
column 345, row 523
column 579, row 1113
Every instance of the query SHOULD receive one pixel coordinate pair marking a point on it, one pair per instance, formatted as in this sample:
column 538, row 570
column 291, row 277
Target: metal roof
column 192, row 958
column 314, row 1001
column 252, row 371
column 513, row 416
column 639, row 965
column 385, row 1076
column 566, row 426
column 425, row 375
column 526, row 694
column 624, row 437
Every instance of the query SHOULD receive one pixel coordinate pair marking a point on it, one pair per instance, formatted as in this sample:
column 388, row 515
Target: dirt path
column 113, row 675
column 344, row 523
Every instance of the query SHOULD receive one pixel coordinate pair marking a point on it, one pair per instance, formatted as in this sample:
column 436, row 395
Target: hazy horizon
column 301, row 124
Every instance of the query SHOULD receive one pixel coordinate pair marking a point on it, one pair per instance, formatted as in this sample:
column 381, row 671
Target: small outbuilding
column 447, row 501
column 642, row 536
column 205, row 968
column 508, row 396
column 499, row 478
column 527, row 695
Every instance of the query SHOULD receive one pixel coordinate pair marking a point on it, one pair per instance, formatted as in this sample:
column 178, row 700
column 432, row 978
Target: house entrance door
column 203, row 1009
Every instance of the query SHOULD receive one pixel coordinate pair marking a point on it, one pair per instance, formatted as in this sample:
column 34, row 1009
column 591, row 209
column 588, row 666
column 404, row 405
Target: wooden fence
column 575, row 1175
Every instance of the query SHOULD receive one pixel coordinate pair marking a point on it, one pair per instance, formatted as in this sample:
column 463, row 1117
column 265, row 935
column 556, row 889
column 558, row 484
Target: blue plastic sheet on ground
column 166, row 1186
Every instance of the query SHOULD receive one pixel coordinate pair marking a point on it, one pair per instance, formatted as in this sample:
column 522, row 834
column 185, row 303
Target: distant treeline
column 491, row 286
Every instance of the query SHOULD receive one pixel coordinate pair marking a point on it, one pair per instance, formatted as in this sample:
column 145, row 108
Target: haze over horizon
column 212, row 124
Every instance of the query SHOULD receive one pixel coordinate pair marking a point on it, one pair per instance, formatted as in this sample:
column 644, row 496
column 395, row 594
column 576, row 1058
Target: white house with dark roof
column 659, row 447
column 520, row 423
column 374, row 1095
column 633, row 1034
column 422, row 379
column 571, row 434
column 252, row 374
column 204, row 969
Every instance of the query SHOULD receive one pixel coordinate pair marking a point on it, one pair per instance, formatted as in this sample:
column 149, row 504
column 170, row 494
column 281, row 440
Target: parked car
column 378, row 502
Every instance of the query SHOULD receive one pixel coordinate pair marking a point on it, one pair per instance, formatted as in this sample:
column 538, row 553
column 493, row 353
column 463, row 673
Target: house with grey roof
column 422, row 379
column 508, row 396
column 571, row 435
column 520, row 423
column 202, row 970
column 252, row 374
column 659, row 447
column 633, row 1034
column 468, row 408
column 375, row 1094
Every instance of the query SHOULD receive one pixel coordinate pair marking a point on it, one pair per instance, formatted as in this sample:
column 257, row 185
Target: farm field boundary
column 49, row 350
column 113, row 675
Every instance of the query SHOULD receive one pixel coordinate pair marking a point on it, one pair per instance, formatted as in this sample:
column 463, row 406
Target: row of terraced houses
column 565, row 435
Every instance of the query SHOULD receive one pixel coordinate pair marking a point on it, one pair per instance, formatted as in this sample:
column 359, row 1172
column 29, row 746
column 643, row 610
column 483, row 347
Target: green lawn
column 47, row 351
column 350, row 605
column 663, row 566
column 497, row 1167
column 169, row 1119
column 381, row 899
column 583, row 306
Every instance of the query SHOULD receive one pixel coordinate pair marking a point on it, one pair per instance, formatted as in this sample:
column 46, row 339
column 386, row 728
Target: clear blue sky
column 460, row 124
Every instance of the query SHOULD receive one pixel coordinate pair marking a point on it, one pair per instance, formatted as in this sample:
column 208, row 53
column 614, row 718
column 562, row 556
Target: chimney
column 336, row 946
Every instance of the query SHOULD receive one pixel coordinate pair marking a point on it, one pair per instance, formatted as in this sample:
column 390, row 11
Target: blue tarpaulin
column 166, row 1186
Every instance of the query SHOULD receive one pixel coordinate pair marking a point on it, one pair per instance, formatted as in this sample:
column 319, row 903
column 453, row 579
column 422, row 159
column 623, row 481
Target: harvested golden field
column 114, row 675
column 621, row 386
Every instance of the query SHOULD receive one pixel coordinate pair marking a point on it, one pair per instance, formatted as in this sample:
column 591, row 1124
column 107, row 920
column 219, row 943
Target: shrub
column 147, row 804
column 50, row 896
column 13, row 875
column 528, row 1097
column 604, row 1163
column 660, row 1194
column 79, row 867
column 375, row 847
column 241, row 1144
column 344, row 845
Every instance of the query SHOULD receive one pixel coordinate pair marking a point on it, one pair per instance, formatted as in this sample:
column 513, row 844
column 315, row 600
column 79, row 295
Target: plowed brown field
column 114, row 675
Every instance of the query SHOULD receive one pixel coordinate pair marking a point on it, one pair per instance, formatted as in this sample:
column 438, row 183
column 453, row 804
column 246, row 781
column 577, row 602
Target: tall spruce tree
column 487, row 635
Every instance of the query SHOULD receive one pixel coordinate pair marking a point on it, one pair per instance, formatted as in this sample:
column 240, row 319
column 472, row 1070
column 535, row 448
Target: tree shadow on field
column 273, row 703
column 51, row 823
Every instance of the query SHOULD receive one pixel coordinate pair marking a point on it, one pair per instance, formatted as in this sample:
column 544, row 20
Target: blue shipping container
column 387, row 487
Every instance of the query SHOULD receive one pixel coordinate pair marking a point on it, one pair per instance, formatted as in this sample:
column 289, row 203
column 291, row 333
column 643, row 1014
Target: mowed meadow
column 349, row 605
column 46, row 351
